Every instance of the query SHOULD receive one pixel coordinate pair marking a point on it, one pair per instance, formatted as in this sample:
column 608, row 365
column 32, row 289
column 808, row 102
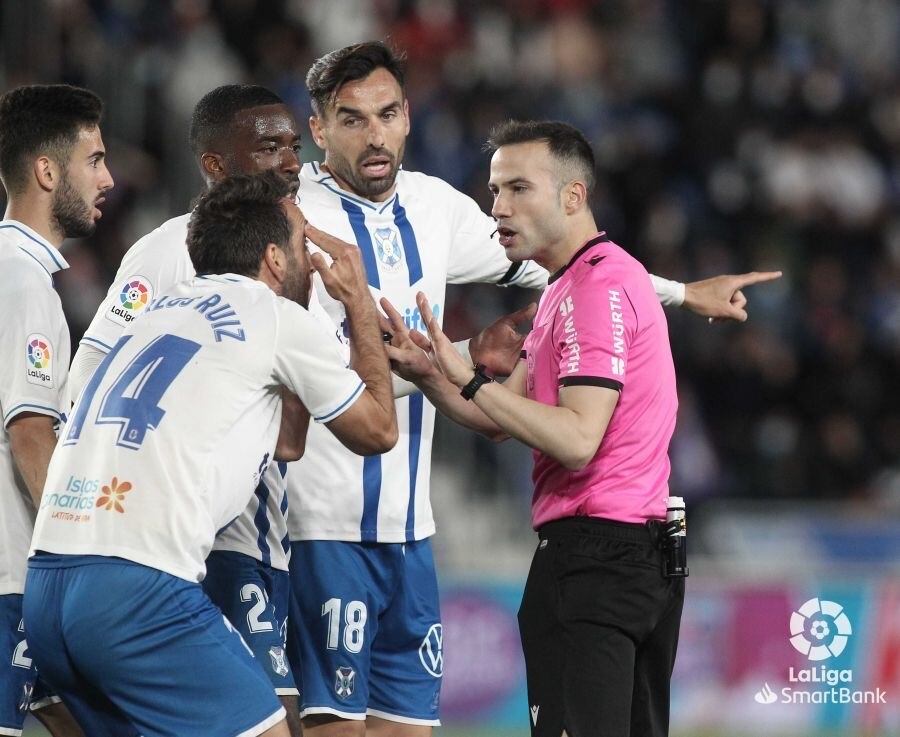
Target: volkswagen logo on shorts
column 431, row 651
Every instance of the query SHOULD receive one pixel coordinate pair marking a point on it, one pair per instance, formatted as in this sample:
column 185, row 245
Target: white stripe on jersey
column 426, row 235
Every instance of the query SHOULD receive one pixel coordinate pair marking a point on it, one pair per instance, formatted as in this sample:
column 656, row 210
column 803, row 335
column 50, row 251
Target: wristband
column 479, row 380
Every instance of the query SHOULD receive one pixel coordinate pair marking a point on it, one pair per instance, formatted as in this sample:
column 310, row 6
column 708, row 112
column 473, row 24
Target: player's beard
column 361, row 185
column 297, row 282
column 72, row 215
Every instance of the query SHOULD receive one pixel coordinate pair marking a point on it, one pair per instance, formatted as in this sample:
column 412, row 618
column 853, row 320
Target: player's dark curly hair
column 567, row 144
column 331, row 72
column 215, row 112
column 234, row 222
column 42, row 120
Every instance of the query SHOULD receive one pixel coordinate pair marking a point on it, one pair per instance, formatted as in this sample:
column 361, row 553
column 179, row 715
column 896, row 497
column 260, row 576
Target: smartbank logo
column 819, row 630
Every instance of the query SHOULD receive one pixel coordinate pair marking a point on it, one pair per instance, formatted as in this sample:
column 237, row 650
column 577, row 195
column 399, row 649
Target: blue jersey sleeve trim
column 98, row 343
column 27, row 407
column 337, row 410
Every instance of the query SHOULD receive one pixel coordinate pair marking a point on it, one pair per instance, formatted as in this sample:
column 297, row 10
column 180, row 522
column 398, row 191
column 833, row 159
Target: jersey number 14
column 132, row 400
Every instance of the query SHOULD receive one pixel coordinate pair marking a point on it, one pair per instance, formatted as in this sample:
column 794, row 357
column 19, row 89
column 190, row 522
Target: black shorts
column 599, row 627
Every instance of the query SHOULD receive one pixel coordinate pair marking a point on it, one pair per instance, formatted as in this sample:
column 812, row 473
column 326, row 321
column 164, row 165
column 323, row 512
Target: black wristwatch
column 479, row 380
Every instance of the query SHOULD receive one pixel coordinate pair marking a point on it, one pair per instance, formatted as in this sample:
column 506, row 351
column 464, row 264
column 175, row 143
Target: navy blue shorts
column 365, row 630
column 255, row 598
column 133, row 650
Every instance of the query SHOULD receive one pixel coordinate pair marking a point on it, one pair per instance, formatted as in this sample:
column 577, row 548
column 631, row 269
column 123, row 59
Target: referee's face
column 531, row 220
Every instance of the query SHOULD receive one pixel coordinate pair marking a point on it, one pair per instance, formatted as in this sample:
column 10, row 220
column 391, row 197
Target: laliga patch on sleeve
column 134, row 295
column 39, row 360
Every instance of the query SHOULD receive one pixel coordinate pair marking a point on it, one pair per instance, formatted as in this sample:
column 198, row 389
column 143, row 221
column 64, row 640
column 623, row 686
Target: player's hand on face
column 451, row 364
column 721, row 298
column 499, row 345
column 409, row 351
column 345, row 277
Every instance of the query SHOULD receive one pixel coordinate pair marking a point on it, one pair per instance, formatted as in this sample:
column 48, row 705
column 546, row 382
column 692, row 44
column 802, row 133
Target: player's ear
column 46, row 173
column 213, row 165
column 315, row 128
column 406, row 113
column 275, row 261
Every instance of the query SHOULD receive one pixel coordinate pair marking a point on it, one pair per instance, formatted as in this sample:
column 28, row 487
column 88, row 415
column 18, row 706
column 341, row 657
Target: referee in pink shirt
column 594, row 396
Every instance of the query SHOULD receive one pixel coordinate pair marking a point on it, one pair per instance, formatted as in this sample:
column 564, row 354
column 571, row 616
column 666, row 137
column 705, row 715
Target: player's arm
column 294, row 425
column 570, row 432
column 369, row 426
column 721, row 298
column 31, row 442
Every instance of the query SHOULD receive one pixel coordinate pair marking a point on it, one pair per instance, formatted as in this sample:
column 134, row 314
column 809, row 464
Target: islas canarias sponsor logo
column 82, row 495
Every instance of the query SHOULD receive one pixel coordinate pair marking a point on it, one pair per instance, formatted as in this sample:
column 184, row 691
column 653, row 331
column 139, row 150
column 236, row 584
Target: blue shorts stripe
column 416, row 405
column 410, row 245
column 363, row 240
column 368, row 526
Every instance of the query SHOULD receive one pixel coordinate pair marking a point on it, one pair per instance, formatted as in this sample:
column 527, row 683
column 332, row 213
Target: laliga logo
column 820, row 629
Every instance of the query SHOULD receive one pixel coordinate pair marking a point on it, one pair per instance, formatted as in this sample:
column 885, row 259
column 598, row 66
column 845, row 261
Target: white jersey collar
column 315, row 173
column 36, row 246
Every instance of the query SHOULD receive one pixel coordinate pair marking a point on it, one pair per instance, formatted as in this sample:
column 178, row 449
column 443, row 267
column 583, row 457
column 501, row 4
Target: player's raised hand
column 408, row 350
column 499, row 345
column 450, row 363
column 721, row 298
column 345, row 277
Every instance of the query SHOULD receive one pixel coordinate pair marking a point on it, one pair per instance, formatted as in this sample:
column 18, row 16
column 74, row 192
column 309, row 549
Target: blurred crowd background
column 730, row 134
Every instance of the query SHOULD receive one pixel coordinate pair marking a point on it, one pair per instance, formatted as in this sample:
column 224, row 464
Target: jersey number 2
column 132, row 402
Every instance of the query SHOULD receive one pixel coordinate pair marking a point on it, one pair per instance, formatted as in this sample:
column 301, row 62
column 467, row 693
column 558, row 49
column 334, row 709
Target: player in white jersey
column 52, row 166
column 164, row 447
column 236, row 129
column 365, row 630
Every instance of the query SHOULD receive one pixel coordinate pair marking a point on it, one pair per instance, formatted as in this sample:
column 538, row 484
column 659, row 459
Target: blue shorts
column 17, row 673
column 21, row 688
column 365, row 630
column 133, row 650
column 255, row 598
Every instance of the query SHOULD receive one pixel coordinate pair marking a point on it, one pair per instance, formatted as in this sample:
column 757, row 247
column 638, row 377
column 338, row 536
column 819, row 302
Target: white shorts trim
column 265, row 724
column 355, row 716
column 41, row 703
column 403, row 720
column 287, row 692
column 10, row 731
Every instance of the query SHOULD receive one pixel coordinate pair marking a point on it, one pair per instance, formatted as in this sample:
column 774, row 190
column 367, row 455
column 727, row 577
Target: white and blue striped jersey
column 34, row 364
column 422, row 238
column 168, row 440
column 152, row 265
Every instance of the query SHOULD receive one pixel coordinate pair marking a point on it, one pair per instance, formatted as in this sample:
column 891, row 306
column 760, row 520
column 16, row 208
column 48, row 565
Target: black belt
column 647, row 533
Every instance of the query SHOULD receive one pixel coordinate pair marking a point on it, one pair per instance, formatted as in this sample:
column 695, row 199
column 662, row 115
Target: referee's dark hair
column 215, row 112
column 567, row 144
column 234, row 222
column 331, row 72
column 40, row 120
